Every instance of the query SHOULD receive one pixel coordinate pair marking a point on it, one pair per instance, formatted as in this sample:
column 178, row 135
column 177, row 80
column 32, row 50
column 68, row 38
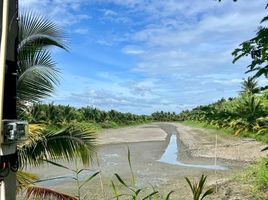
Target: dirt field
column 147, row 144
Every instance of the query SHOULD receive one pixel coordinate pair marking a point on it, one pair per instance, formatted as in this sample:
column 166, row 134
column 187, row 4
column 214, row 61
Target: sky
column 143, row 56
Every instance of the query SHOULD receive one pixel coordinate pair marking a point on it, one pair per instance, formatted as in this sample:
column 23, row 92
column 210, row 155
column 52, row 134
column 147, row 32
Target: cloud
column 169, row 55
column 107, row 12
column 132, row 50
column 81, row 31
column 62, row 12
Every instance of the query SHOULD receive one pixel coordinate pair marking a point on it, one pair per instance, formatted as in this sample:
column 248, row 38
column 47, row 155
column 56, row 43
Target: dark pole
column 8, row 155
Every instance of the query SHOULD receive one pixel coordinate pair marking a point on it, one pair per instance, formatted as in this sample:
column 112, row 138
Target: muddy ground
column 147, row 144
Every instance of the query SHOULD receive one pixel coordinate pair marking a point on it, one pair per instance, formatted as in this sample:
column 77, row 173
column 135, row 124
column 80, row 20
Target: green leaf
column 57, row 164
column 168, row 196
column 116, row 195
column 90, row 178
column 190, row 184
column 150, row 195
column 121, row 180
column 68, row 143
column 130, row 165
column 208, row 192
column 265, row 149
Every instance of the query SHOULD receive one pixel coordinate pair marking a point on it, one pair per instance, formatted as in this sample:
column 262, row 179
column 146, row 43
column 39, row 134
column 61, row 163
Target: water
column 170, row 156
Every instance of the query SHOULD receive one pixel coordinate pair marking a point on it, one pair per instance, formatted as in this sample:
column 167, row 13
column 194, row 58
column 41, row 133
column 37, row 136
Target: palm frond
column 37, row 75
column 66, row 143
column 45, row 193
column 34, row 30
column 25, row 180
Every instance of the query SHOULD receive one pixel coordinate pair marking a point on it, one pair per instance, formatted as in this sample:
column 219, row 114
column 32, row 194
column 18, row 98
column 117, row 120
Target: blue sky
column 141, row 56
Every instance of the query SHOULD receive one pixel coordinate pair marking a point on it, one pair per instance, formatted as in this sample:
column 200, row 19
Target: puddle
column 170, row 156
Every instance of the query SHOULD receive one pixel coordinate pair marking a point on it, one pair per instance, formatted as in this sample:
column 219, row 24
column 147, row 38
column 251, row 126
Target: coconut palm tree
column 37, row 72
column 250, row 86
column 37, row 79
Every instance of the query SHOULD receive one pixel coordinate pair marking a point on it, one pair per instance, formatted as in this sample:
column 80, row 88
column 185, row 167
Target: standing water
column 170, row 156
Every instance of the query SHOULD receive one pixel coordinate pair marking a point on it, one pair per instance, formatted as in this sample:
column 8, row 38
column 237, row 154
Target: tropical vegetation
column 64, row 132
column 246, row 115
column 52, row 114
column 37, row 78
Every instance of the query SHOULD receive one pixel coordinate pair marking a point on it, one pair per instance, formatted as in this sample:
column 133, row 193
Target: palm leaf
column 34, row 30
column 25, row 179
column 45, row 193
column 66, row 143
column 37, row 75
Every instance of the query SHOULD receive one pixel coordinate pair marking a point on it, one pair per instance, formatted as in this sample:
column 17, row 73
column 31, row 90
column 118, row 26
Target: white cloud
column 132, row 50
column 182, row 51
column 81, row 31
column 62, row 12
column 109, row 12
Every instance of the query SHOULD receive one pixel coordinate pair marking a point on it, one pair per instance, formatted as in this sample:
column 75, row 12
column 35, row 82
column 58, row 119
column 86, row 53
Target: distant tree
column 250, row 86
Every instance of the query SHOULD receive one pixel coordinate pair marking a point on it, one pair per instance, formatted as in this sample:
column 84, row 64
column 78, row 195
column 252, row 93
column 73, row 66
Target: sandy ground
column 132, row 134
column 202, row 144
column 147, row 143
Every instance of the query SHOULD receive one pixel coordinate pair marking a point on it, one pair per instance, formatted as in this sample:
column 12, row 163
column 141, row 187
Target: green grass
column 225, row 131
column 256, row 176
column 211, row 129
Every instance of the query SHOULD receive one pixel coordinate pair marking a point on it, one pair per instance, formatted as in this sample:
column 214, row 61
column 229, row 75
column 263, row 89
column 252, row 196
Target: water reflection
column 171, row 154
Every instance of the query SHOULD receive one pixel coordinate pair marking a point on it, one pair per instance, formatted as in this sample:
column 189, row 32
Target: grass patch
column 256, row 176
column 226, row 131
column 259, row 137
column 211, row 129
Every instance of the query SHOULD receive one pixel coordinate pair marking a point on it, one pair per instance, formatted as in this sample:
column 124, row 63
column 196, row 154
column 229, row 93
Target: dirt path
column 147, row 144
column 202, row 144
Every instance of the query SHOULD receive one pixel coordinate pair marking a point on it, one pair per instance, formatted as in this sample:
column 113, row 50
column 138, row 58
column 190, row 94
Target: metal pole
column 9, row 32
column 3, row 52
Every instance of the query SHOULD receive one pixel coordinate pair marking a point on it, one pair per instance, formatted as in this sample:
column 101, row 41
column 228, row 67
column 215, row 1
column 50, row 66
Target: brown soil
column 147, row 143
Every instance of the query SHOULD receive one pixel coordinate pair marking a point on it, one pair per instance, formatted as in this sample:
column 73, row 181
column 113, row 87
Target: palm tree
column 52, row 143
column 37, row 73
column 250, row 86
column 37, row 78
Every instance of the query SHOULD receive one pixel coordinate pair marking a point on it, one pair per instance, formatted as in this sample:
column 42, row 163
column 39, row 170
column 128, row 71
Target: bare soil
column 147, row 143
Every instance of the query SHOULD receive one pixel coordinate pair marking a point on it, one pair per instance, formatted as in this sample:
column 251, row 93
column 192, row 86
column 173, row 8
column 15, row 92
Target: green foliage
column 134, row 192
column 256, row 47
column 56, row 142
column 63, row 115
column 25, row 180
column 37, row 192
column 257, row 176
column 164, row 116
column 37, row 72
column 245, row 115
column 249, row 86
column 198, row 188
